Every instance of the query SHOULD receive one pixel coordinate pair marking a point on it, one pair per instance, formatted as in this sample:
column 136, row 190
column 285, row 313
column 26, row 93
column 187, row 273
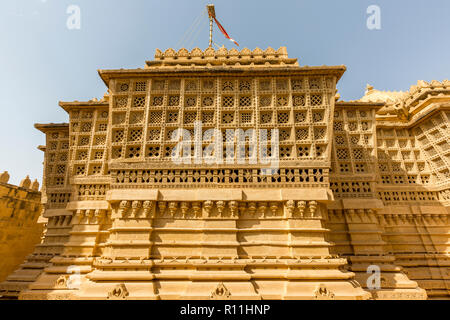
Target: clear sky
column 43, row 62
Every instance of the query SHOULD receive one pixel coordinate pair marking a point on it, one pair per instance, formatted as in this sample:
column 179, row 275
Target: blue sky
column 43, row 62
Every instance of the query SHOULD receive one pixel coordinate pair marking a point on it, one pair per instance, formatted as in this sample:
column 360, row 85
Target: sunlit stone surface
column 360, row 183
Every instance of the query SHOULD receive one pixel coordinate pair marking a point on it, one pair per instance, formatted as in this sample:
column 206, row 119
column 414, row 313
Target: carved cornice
column 91, row 104
column 45, row 127
column 266, row 57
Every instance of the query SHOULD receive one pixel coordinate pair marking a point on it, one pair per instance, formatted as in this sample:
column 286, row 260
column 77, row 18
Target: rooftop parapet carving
column 25, row 183
column 196, row 56
column 21, row 224
column 4, row 177
column 374, row 95
column 403, row 105
column 35, row 185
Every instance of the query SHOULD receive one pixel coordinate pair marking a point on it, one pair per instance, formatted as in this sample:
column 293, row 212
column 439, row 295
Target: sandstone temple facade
column 360, row 185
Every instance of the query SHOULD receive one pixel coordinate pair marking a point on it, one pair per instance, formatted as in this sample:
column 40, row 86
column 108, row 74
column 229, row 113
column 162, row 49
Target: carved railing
column 91, row 191
column 408, row 196
column 221, row 178
column 352, row 189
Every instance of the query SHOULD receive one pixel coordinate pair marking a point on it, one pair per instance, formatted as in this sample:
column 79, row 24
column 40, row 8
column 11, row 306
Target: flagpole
column 210, row 31
column 211, row 14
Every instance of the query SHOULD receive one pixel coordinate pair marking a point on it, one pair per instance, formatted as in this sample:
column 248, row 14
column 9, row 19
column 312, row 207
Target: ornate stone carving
column 162, row 207
column 61, row 282
column 197, row 208
column 100, row 215
column 220, row 293
column 242, row 207
column 148, row 209
column 4, row 177
column 220, row 206
column 301, row 205
column 35, row 185
column 274, row 208
column 173, row 206
column 313, row 208
column 233, row 205
column 119, row 292
column 123, row 208
column 323, row 293
column 25, row 183
column 90, row 214
column 136, row 206
column 290, row 207
column 251, row 208
column 262, row 207
column 208, row 205
column 184, row 207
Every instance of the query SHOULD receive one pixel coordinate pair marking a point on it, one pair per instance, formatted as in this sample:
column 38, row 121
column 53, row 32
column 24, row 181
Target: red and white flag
column 224, row 32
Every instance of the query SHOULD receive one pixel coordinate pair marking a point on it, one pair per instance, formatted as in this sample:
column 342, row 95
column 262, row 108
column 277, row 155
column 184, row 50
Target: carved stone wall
column 358, row 184
column 20, row 230
column 412, row 162
column 56, row 194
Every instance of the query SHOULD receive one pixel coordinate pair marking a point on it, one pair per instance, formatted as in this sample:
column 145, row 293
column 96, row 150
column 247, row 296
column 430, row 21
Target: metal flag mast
column 211, row 15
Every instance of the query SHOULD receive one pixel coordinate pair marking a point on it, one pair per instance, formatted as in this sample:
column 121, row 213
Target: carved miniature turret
column 4, row 177
column 25, row 183
column 369, row 88
column 22, row 228
column 35, row 185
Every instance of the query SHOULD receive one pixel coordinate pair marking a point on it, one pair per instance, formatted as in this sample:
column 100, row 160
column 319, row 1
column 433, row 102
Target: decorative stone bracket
column 302, row 209
column 136, row 209
column 139, row 209
column 220, row 293
column 323, row 293
column 119, row 292
column 90, row 216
